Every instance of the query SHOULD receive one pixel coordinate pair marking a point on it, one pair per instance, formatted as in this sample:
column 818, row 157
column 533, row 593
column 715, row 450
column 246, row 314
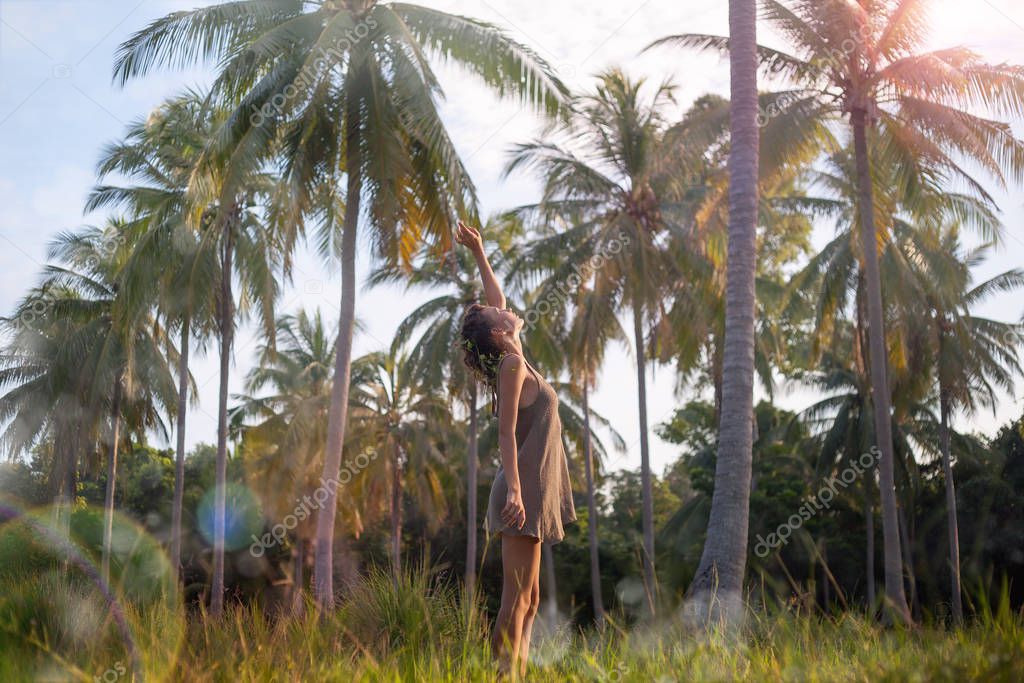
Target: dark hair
column 480, row 351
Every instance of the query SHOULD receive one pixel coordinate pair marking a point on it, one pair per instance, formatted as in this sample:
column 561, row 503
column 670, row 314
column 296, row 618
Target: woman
column 531, row 498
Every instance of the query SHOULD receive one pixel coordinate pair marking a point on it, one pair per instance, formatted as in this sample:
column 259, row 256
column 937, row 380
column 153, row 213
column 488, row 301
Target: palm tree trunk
column 716, row 592
column 179, row 456
column 108, row 500
column 650, row 581
column 906, row 546
column 954, row 533
column 896, row 601
column 298, row 571
column 551, row 599
column 323, row 572
column 869, row 554
column 471, row 485
column 220, row 489
column 588, row 461
column 396, row 515
column 860, row 359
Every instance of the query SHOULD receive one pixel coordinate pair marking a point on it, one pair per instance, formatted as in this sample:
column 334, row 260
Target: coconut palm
column 593, row 326
column 719, row 578
column 402, row 423
column 283, row 432
column 974, row 356
column 120, row 373
column 40, row 367
column 833, row 284
column 347, row 87
column 861, row 60
column 158, row 156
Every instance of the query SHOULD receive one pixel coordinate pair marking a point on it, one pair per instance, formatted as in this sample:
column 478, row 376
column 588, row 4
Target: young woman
column 531, row 498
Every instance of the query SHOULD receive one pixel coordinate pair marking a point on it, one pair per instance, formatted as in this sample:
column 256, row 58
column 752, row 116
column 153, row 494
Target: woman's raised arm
column 470, row 238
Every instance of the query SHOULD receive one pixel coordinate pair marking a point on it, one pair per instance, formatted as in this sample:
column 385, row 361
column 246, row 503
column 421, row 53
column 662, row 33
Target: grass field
column 422, row 630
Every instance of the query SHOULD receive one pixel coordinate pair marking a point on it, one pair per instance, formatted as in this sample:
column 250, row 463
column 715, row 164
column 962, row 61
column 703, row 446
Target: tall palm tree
column 615, row 197
column 718, row 583
column 402, row 422
column 282, row 424
column 129, row 371
column 974, row 356
column 832, row 285
column 861, row 61
column 121, row 374
column 351, row 77
column 158, row 156
column 593, row 326
column 41, row 368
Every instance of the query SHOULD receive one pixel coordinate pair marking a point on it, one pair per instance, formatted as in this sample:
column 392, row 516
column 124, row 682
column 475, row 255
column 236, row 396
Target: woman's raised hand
column 469, row 237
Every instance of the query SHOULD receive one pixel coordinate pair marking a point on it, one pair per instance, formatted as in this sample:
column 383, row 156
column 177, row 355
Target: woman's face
column 503, row 320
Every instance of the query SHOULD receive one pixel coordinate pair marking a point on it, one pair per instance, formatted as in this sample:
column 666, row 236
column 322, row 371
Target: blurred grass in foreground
column 422, row 629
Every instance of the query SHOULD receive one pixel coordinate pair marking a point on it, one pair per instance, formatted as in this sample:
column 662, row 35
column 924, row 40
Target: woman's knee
column 524, row 604
column 534, row 601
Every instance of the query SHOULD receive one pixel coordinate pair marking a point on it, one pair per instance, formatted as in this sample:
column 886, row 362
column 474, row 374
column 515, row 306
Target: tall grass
column 422, row 627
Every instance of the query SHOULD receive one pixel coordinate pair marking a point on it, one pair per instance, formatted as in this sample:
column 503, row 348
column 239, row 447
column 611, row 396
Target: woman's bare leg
column 531, row 615
column 520, row 560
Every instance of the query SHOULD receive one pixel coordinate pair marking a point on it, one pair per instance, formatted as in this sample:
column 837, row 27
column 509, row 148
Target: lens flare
column 242, row 517
column 64, row 617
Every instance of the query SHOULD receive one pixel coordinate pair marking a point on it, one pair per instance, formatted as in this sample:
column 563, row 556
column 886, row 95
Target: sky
column 59, row 108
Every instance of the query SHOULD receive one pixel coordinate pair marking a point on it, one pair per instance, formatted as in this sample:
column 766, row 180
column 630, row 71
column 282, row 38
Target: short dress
column 543, row 472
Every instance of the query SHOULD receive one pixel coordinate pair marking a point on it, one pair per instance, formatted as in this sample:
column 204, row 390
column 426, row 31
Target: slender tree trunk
column 647, row 490
column 588, row 461
column 108, row 500
column 179, row 456
column 896, row 601
column 826, row 588
column 869, row 554
column 323, row 571
column 396, row 515
column 551, row 599
column 906, row 546
column 860, row 359
column 472, row 464
column 227, row 326
column 717, row 590
column 954, row 529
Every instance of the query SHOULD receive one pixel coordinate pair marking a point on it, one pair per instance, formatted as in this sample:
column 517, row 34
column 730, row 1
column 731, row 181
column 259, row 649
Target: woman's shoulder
column 511, row 363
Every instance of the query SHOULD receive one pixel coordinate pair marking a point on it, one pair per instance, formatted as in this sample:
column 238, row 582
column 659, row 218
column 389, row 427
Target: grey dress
column 543, row 472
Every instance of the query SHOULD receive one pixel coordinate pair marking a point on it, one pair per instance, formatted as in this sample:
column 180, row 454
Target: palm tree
column 158, row 156
column 401, row 422
column 616, row 200
column 284, row 444
column 832, row 285
column 718, row 584
column 860, row 59
column 42, row 361
column 593, row 326
column 120, row 372
column 346, row 86
column 974, row 356
column 129, row 371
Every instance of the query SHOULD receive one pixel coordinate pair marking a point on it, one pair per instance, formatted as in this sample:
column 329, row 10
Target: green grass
column 424, row 630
